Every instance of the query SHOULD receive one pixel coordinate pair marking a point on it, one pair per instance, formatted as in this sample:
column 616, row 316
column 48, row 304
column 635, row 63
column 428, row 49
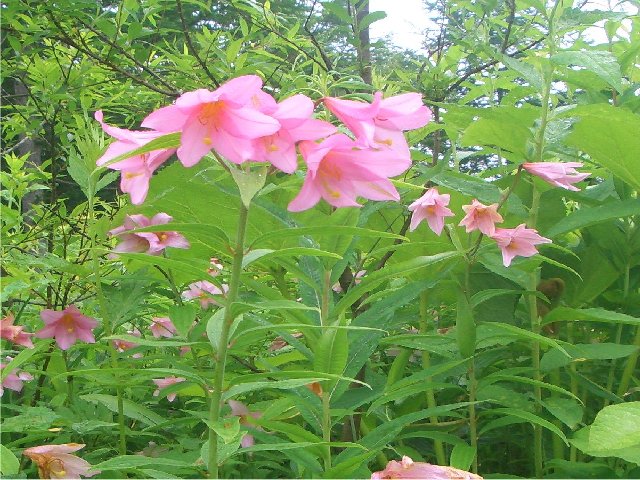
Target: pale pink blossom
column 519, row 241
column 152, row 243
column 13, row 381
column 225, row 120
column 67, row 326
column 481, row 217
column 339, row 171
column 135, row 171
column 204, row 291
column 124, row 345
column 162, row 327
column 560, row 174
column 56, row 461
column 408, row 469
column 431, row 206
column 296, row 123
column 164, row 383
column 239, row 409
column 14, row 333
column 380, row 124
column 215, row 267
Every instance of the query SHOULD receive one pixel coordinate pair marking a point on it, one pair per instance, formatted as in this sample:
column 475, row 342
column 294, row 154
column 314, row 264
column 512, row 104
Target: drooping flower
column 67, row 326
column 162, row 327
column 152, row 243
column 204, row 292
column 380, row 123
column 239, row 409
column 124, row 345
column 519, row 241
column 339, row 171
column 296, row 123
column 225, row 120
column 560, row 174
column 481, row 217
column 56, row 461
column 14, row 333
column 431, row 206
column 164, row 383
column 135, row 171
column 13, row 381
column 407, row 469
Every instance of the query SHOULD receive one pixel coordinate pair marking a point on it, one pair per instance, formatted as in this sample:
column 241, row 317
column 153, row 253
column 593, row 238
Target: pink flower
column 339, row 170
column 380, row 124
column 152, row 243
column 56, row 461
column 239, row 409
column 203, row 291
column 215, row 267
column 67, row 326
column 123, row 345
column 481, row 217
column 407, row 468
column 136, row 170
column 14, row 333
column 517, row 241
column 13, row 381
column 224, row 120
column 560, row 174
column 164, row 383
column 296, row 123
column 432, row 206
column 162, row 327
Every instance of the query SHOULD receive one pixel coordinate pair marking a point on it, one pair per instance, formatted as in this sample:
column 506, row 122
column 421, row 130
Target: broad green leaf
column 527, row 70
column 330, row 356
column 566, row 410
column 465, row 327
column 228, row 428
column 527, row 335
column 567, row 314
column 268, row 254
column 462, row 456
column 131, row 409
column 531, row 418
column 616, row 427
column 582, row 439
column 29, row 419
column 600, row 62
column 9, row 463
column 586, row 216
column 369, row 19
column 588, row 351
column 484, row 295
column 183, row 316
column 249, row 183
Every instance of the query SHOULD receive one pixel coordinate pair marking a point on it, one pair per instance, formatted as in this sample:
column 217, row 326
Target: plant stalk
column 326, row 395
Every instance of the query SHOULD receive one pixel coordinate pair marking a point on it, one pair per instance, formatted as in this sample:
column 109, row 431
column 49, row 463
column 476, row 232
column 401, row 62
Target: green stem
column 557, row 443
column 107, row 326
column 426, row 363
column 630, row 367
column 223, row 342
column 326, row 395
column 473, row 421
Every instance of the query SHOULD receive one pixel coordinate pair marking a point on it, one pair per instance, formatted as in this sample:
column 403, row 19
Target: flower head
column 13, row 381
column 162, row 327
column 432, row 206
column 203, row 291
column 56, row 461
column 164, row 383
column 123, row 345
column 560, row 174
column 239, row 409
column 481, row 217
column 67, row 326
column 14, row 333
column 339, row 170
column 519, row 241
column 135, row 171
column 225, row 120
column 407, row 468
column 152, row 243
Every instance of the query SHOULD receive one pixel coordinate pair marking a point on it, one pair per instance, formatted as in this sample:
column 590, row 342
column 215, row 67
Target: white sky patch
column 405, row 23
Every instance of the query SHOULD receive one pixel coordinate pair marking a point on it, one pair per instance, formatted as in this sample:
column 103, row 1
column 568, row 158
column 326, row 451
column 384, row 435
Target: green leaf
column 324, row 231
column 531, row 418
column 134, row 461
column 9, row 463
column 287, row 384
column 528, row 71
column 567, row 314
column 604, row 64
column 23, row 357
column 581, row 440
column 527, row 335
column 588, row 351
column 586, row 216
column 275, row 305
column 169, row 264
column 171, row 140
column 465, row 327
column 462, row 456
column 182, row 316
column 609, row 136
column 500, row 377
column 131, row 409
column 30, row 419
column 249, row 183
column 267, row 254
column 615, row 427
column 566, row 410
column 330, row 356
column 369, row 19
column 228, row 428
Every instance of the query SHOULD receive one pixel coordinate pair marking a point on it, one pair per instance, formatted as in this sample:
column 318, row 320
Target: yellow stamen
column 272, row 148
column 207, row 141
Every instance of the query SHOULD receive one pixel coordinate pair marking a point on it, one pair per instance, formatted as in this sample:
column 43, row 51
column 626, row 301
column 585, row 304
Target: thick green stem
column 326, row 395
column 473, row 421
column 223, row 342
column 426, row 363
column 630, row 367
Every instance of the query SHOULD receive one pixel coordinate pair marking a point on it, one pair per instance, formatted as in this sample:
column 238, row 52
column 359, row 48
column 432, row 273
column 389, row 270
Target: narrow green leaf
column 324, row 231
column 171, row 140
column 133, row 461
column 131, row 409
column 287, row 384
column 462, row 456
column 531, row 418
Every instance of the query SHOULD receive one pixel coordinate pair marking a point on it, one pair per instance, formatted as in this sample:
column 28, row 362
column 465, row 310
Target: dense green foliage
column 438, row 352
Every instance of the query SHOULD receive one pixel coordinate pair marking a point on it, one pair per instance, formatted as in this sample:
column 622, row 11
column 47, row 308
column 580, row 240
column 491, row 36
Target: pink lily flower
column 409, row 469
column 164, row 383
column 239, row 409
column 560, row 174
column 152, row 243
column 123, row 345
column 517, row 241
column 162, row 327
column 13, row 381
column 224, row 120
column 136, row 171
column 380, row 123
column 296, row 123
column 339, row 170
column 67, row 326
column 431, row 206
column 481, row 217
column 56, row 461
column 14, row 333
column 203, row 291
